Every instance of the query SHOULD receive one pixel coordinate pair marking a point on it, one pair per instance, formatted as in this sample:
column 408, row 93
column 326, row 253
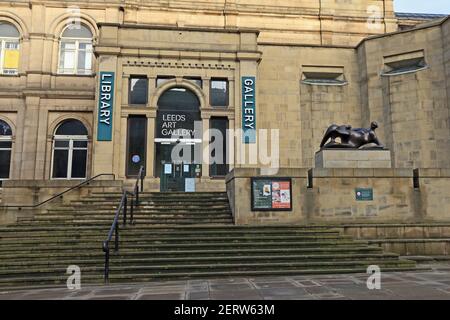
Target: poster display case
column 271, row 194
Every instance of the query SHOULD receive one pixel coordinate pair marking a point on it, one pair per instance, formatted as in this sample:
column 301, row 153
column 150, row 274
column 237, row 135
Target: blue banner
column 249, row 109
column 105, row 106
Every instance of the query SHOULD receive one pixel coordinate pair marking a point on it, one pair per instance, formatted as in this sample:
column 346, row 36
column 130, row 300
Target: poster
column 262, row 194
column 271, row 194
column 168, row 168
column 281, row 195
column 189, row 185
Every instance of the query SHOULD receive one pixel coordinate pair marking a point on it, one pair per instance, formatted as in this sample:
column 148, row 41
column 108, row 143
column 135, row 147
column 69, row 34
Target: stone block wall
column 332, row 198
column 303, row 112
column 446, row 56
column 18, row 193
column 413, row 107
column 284, row 36
column 424, row 239
column 31, row 192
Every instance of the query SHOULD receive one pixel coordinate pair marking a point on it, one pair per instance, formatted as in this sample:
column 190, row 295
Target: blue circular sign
column 136, row 159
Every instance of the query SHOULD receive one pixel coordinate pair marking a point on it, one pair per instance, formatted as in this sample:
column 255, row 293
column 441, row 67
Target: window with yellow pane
column 9, row 49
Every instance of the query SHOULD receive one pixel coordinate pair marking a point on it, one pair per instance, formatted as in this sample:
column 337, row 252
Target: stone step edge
column 303, row 245
column 165, row 268
column 118, row 259
column 223, row 253
column 208, row 275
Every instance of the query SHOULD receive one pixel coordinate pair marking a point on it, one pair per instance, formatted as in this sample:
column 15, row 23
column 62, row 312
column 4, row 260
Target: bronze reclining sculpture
column 360, row 138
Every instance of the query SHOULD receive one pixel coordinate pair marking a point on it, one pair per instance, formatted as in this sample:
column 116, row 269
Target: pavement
column 432, row 284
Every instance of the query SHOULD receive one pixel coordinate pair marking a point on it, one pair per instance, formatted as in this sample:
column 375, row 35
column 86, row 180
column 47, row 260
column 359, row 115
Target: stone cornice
column 179, row 54
column 67, row 94
column 220, row 7
column 48, row 94
column 177, row 28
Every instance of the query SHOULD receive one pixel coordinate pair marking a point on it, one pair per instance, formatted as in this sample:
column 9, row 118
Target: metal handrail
column 60, row 194
column 123, row 207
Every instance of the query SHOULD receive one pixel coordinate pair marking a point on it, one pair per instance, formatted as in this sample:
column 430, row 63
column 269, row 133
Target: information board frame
column 254, row 208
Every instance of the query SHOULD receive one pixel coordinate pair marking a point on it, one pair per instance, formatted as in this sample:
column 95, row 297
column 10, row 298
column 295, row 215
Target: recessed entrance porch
column 173, row 144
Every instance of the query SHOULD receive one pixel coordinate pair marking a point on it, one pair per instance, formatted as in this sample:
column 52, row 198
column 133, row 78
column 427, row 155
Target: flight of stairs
column 175, row 235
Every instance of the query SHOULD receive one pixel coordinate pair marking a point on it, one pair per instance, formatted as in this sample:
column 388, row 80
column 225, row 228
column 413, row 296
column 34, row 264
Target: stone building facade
column 67, row 71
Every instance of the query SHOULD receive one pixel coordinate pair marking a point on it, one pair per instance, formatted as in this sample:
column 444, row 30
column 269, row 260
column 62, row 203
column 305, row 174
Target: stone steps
column 18, row 249
column 140, row 212
column 100, row 210
column 149, row 202
column 176, row 236
column 412, row 247
column 184, row 256
column 139, row 229
column 153, row 221
column 157, row 236
column 185, row 240
column 154, row 200
column 208, row 267
column 135, row 215
column 130, row 257
column 166, row 198
column 166, row 195
column 162, row 207
column 121, row 260
column 188, row 253
column 55, row 281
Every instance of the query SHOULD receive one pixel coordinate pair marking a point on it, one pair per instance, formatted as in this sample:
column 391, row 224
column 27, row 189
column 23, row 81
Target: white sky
column 422, row 6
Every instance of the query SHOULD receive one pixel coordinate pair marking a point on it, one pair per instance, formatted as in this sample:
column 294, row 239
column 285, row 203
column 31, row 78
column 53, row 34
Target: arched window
column 179, row 99
column 75, row 54
column 9, row 48
column 5, row 149
column 70, row 145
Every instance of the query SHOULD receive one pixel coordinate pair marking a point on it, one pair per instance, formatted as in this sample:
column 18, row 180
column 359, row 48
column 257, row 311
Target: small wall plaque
column 364, row 194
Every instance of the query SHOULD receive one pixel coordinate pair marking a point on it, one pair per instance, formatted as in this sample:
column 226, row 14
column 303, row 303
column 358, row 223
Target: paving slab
column 162, row 296
column 200, row 295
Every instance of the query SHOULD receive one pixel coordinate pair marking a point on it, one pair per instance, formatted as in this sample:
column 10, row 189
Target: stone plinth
column 330, row 158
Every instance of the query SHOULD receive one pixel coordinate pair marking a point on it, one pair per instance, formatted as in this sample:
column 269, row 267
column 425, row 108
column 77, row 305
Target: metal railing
column 59, row 195
column 123, row 208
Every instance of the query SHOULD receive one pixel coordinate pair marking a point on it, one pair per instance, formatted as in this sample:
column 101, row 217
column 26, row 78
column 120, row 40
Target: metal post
column 116, row 238
column 142, row 180
column 132, row 211
column 125, row 204
column 137, row 197
column 106, row 275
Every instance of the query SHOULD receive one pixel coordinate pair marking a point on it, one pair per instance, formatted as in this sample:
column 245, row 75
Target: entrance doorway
column 178, row 140
column 176, row 176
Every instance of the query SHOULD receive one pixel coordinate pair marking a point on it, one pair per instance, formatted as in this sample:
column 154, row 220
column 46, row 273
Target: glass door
column 173, row 174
